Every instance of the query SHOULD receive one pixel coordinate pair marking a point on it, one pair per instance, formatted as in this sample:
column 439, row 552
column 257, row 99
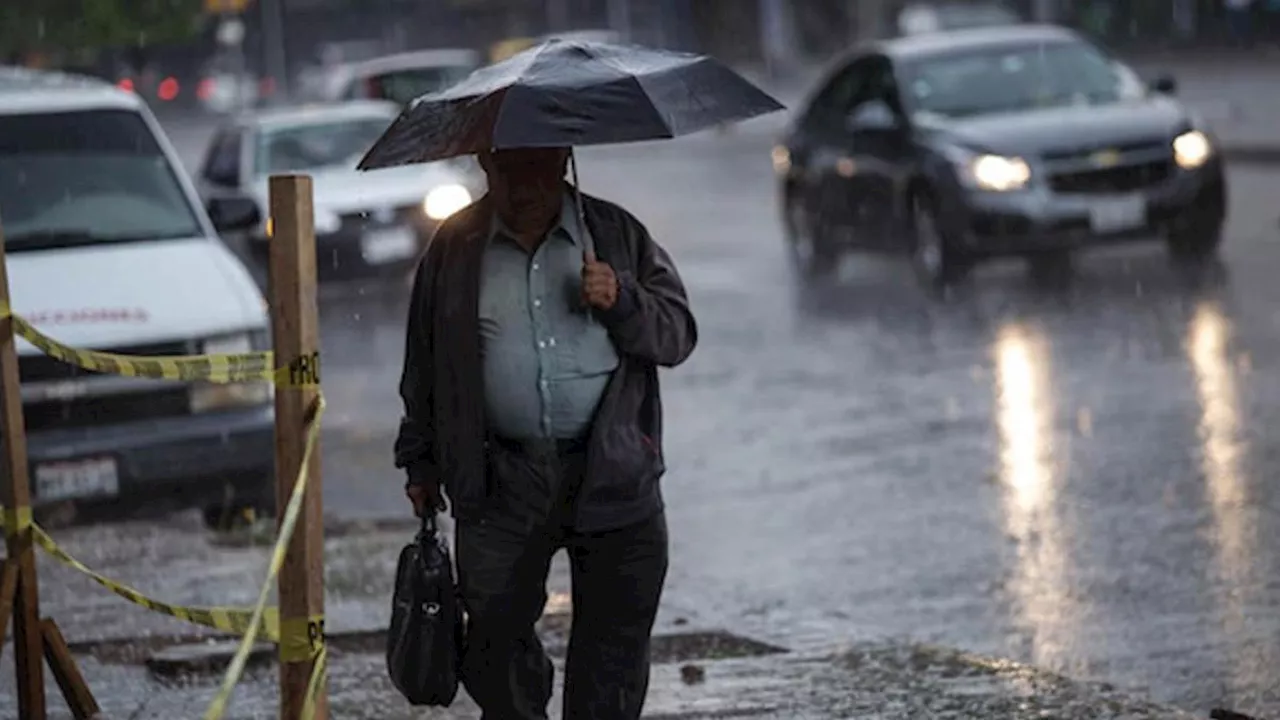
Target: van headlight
column 998, row 173
column 219, row 396
column 1191, row 149
column 445, row 200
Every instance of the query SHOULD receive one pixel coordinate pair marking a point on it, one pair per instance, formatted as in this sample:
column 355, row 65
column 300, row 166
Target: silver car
column 364, row 221
column 402, row 77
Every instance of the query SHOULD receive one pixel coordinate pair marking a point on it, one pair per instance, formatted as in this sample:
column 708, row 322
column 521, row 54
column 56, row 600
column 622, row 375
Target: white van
column 109, row 249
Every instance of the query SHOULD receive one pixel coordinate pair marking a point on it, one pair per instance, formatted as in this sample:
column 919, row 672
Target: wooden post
column 15, row 495
column 296, row 330
column 8, row 591
column 74, row 689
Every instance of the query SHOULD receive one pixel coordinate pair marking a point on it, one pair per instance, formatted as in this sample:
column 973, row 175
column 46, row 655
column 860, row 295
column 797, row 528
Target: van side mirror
column 234, row 214
column 1165, row 85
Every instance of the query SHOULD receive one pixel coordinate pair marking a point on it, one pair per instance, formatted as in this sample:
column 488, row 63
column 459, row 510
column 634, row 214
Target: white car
column 109, row 249
column 364, row 221
column 402, row 77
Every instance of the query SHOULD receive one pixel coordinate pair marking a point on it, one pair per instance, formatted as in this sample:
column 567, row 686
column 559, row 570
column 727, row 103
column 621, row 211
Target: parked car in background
column 400, row 78
column 603, row 35
column 312, row 79
column 109, row 249
column 1023, row 141
column 917, row 18
column 365, row 221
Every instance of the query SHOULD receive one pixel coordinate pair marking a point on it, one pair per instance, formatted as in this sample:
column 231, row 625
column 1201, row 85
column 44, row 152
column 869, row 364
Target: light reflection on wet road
column 1078, row 476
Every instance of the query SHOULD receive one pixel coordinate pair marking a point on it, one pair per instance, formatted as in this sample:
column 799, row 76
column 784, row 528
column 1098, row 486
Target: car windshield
column 87, row 177
column 1012, row 79
column 404, row 86
column 315, row 146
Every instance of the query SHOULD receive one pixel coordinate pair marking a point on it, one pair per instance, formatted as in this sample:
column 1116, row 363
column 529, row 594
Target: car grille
column 86, row 412
column 164, row 401
column 1082, row 154
column 1124, row 178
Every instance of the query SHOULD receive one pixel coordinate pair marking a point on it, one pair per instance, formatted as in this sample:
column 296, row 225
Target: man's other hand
column 599, row 283
column 425, row 496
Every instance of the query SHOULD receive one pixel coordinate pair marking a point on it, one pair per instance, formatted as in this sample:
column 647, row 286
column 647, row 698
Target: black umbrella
column 570, row 93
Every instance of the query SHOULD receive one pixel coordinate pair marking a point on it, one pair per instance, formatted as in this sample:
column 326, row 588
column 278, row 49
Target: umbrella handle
column 588, row 242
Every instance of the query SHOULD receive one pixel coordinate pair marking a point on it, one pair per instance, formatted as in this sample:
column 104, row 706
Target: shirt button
column 541, row 344
column 535, row 266
column 551, row 342
column 537, row 302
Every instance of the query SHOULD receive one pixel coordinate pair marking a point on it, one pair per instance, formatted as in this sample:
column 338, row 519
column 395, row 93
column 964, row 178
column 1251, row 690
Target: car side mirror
column 873, row 116
column 1165, row 85
column 233, row 214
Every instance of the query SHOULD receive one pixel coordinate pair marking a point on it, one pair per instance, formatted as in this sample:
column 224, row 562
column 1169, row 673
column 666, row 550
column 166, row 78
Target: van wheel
column 936, row 260
column 240, row 510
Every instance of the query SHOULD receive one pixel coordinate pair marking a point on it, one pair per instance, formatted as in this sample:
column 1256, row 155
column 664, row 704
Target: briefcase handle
column 429, row 527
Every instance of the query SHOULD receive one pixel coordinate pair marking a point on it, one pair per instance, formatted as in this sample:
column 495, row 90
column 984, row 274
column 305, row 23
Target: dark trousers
column 503, row 562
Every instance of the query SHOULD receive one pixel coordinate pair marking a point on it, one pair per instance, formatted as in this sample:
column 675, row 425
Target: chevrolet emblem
column 1105, row 158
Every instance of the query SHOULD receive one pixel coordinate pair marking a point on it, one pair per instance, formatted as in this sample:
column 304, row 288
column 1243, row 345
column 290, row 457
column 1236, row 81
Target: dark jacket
column 443, row 432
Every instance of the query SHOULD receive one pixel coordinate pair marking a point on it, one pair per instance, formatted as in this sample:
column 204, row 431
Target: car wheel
column 937, row 262
column 237, row 510
column 811, row 252
column 1196, row 241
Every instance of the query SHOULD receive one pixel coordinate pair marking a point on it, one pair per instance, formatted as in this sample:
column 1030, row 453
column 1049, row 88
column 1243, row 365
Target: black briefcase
column 424, row 642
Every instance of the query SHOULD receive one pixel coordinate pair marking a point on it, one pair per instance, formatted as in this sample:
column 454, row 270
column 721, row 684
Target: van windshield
column 87, row 178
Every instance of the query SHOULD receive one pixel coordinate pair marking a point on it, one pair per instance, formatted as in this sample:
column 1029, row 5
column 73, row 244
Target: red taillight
column 125, row 84
column 267, row 86
column 168, row 89
column 205, row 89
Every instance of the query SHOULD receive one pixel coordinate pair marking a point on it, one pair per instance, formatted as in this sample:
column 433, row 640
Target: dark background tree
column 73, row 30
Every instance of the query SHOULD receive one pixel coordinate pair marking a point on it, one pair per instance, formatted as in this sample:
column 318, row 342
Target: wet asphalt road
column 1076, row 476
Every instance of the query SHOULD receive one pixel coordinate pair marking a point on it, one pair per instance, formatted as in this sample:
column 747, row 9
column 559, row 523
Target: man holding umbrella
column 538, row 321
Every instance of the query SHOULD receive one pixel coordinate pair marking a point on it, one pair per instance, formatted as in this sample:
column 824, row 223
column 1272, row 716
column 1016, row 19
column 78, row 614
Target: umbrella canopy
column 570, row 93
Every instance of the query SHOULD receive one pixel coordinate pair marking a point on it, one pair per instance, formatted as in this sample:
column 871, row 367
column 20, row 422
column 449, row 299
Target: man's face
column 526, row 183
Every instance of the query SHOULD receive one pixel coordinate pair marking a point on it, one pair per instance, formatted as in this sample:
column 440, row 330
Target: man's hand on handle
column 599, row 283
column 425, row 496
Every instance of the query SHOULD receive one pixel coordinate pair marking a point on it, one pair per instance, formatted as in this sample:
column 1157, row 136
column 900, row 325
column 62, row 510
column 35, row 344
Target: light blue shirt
column 546, row 359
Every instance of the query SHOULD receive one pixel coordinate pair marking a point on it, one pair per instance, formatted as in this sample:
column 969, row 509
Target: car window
column 87, row 177
column 222, row 164
column 354, row 90
column 836, row 98
column 879, row 84
column 1012, row 79
column 316, row 145
column 404, row 86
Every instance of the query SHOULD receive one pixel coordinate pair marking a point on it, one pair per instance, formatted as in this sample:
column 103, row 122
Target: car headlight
column 445, row 201
column 781, row 160
column 1191, row 149
column 998, row 173
column 219, row 396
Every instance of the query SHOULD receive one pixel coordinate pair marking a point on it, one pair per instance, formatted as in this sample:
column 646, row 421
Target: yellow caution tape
column 223, row 368
column 302, row 639
column 315, row 684
column 227, row 619
column 290, row 519
column 15, row 521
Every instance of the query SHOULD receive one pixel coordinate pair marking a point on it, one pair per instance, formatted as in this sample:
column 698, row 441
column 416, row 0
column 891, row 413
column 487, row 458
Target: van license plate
column 96, row 477
column 388, row 245
column 1118, row 215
